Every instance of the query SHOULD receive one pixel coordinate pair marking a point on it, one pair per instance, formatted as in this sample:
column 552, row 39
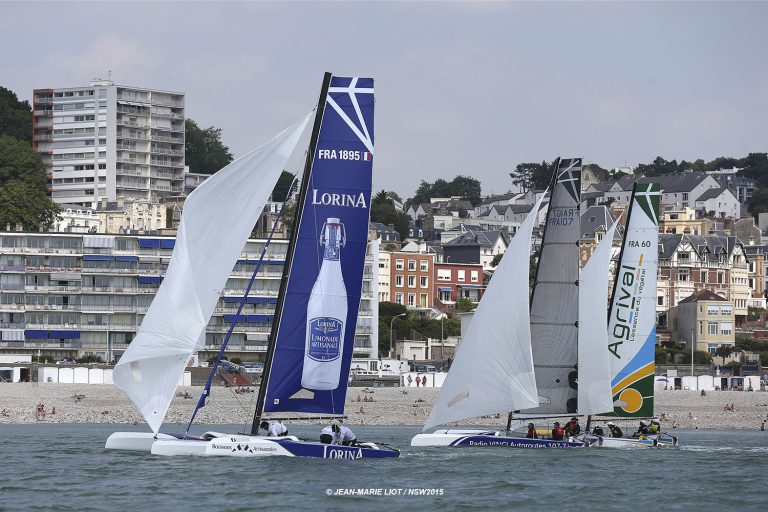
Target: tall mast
column 291, row 252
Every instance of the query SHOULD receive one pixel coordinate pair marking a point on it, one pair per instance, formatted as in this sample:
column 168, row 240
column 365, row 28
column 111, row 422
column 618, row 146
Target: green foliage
column 528, row 176
column 90, row 358
column 735, row 366
column 463, row 186
column 204, row 152
column 699, row 357
column 751, row 344
column 236, row 360
column 723, row 351
column 23, row 192
column 496, row 260
column 662, row 355
column 284, row 182
column 390, row 309
column 758, row 203
column 753, row 313
column 464, row 305
column 383, row 211
column 15, row 116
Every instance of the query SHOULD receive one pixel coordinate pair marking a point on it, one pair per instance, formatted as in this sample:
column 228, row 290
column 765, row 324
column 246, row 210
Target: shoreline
column 83, row 403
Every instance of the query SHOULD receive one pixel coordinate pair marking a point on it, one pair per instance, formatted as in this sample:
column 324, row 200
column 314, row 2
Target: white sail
column 217, row 220
column 493, row 368
column 594, row 387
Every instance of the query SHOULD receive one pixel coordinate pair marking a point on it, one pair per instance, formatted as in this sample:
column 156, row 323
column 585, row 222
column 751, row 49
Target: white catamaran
column 504, row 333
column 310, row 349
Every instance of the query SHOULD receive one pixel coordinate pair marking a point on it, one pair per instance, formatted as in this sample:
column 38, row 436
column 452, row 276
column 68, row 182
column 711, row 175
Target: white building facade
column 105, row 140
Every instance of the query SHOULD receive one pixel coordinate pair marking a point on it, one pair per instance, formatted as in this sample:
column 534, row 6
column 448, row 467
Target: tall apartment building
column 69, row 295
column 410, row 279
column 104, row 140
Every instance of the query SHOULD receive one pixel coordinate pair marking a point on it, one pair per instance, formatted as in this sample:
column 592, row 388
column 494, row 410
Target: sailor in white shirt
column 337, row 434
column 274, row 428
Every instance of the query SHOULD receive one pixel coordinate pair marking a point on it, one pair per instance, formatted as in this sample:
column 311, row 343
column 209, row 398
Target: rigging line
column 207, row 389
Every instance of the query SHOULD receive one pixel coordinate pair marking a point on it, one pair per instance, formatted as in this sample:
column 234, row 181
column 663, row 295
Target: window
column 411, row 299
column 461, row 274
column 473, row 276
column 399, row 281
column 411, row 281
column 712, row 349
column 712, row 328
column 399, row 264
column 399, row 298
column 443, row 274
column 660, row 300
column 444, row 296
column 424, row 265
column 726, row 328
column 411, row 264
column 712, row 309
column 703, row 276
column 720, row 277
column 726, row 310
column 683, row 257
column 685, row 196
column 683, row 274
column 423, row 300
column 423, row 281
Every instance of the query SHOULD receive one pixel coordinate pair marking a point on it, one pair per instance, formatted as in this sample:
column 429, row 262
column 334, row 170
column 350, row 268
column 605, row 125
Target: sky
column 462, row 88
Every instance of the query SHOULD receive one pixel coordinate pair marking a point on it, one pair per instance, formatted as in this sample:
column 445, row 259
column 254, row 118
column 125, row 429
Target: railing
column 11, row 325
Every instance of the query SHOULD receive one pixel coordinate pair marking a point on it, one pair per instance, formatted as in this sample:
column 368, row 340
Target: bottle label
column 325, row 338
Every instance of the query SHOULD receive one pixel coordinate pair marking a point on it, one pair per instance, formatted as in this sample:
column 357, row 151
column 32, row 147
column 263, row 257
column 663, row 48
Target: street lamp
column 692, row 348
column 391, row 324
column 442, row 337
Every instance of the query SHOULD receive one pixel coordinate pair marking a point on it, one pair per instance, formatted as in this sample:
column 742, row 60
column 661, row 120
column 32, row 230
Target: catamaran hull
column 633, row 442
column 133, row 441
column 252, row 446
column 484, row 438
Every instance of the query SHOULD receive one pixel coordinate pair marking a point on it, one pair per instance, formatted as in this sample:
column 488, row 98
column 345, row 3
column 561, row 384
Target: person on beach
column 274, row 428
column 615, row 430
column 532, row 432
column 557, row 432
column 572, row 428
column 410, row 381
column 424, row 381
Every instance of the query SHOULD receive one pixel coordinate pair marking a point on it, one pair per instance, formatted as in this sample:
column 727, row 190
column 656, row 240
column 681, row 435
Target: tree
column 23, row 191
column 463, row 305
column 496, row 259
column 461, row 186
column 383, row 211
column 466, row 187
column 723, row 351
column 529, row 176
column 15, row 116
column 280, row 192
column 203, row 150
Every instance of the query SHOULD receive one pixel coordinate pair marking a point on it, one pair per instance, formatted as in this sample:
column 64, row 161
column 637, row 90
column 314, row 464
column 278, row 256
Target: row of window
column 423, row 281
column 423, row 299
column 714, row 309
column 423, row 265
column 717, row 328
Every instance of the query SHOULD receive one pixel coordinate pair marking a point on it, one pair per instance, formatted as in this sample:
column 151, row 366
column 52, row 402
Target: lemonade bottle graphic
column 326, row 315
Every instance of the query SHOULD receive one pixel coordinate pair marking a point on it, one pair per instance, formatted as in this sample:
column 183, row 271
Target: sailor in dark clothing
column 557, row 432
column 532, row 432
column 598, row 431
column 615, row 430
column 642, row 430
column 572, row 428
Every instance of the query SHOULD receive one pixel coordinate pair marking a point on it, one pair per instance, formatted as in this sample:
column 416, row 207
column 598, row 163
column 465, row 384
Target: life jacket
column 558, row 432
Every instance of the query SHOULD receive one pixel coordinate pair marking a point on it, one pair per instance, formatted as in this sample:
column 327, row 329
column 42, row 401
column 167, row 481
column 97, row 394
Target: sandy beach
column 78, row 403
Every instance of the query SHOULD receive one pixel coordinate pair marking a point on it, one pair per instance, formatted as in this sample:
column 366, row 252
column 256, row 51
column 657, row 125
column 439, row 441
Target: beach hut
column 81, row 375
column 95, row 376
column 752, row 381
column 66, row 375
column 108, row 376
column 47, row 374
column 706, row 382
column 690, row 382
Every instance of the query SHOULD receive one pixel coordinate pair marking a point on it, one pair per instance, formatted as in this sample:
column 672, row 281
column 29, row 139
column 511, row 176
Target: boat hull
column 457, row 438
column 255, row 446
column 633, row 442
column 133, row 441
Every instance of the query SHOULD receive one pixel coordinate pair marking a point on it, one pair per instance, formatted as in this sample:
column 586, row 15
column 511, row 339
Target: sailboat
column 312, row 336
column 632, row 319
column 498, row 368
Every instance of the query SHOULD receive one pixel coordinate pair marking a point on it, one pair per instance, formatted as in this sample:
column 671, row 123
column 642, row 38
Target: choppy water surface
column 65, row 467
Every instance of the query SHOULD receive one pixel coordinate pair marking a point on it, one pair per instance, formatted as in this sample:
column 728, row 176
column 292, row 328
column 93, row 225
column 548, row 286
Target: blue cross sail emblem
column 355, row 87
column 569, row 174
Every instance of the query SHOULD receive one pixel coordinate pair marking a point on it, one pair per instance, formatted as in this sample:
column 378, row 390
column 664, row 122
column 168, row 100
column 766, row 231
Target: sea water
column 65, row 467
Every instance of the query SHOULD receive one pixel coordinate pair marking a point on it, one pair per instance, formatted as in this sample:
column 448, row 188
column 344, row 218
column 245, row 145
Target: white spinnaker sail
column 493, row 368
column 217, row 220
column 594, row 391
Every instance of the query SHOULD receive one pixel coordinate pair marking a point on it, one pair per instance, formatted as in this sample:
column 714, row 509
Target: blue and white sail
column 217, row 220
column 315, row 334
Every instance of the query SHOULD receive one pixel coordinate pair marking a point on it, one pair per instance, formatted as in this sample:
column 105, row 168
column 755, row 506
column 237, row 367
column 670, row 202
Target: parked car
column 255, row 368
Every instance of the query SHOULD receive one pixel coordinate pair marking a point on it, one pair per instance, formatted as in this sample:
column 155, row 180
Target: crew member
column 655, row 426
column 642, row 430
column 598, row 431
column 339, row 434
column 615, row 430
column 557, row 432
column 532, row 432
column 326, row 435
column 572, row 428
column 274, row 428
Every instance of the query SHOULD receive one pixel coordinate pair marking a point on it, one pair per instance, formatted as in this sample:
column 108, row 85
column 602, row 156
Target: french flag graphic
column 367, row 156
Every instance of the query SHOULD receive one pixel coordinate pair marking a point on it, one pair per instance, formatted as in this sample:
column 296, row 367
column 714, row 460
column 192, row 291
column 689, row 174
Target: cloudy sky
column 469, row 88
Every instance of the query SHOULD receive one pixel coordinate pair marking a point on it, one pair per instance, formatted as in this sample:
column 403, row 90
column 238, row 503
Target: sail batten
column 492, row 370
column 218, row 218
